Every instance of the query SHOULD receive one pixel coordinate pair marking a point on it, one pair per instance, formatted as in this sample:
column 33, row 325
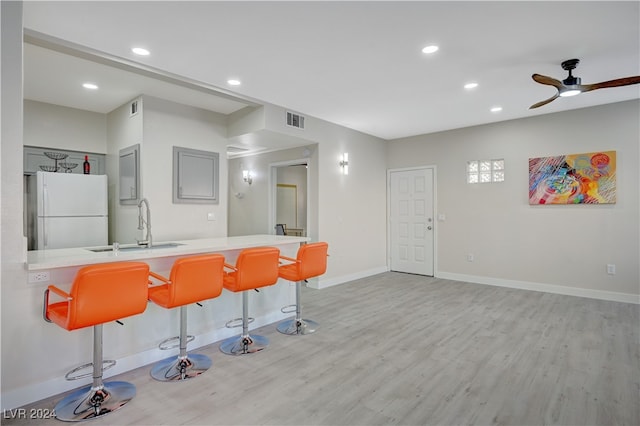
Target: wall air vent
column 295, row 120
column 133, row 108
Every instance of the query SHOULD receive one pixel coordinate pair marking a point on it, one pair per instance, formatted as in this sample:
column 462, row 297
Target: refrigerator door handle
column 45, row 204
column 45, row 200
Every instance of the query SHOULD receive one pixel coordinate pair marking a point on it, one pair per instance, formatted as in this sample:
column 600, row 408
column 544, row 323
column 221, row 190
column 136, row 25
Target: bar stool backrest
column 256, row 267
column 107, row 292
column 195, row 278
column 312, row 259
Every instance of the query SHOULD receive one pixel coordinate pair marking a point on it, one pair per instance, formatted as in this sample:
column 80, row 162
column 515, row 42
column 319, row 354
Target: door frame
column 273, row 181
column 434, row 170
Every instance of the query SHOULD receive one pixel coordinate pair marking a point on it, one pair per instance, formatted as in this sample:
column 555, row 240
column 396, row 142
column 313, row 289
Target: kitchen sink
column 135, row 247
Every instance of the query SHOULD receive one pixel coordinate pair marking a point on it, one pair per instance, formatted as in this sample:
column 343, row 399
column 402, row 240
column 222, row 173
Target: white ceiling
column 54, row 77
column 358, row 64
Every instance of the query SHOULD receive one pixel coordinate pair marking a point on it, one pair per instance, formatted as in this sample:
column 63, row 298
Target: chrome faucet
column 141, row 222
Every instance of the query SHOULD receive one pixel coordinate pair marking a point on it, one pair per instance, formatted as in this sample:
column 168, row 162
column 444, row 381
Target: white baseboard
column 38, row 391
column 546, row 288
column 330, row 282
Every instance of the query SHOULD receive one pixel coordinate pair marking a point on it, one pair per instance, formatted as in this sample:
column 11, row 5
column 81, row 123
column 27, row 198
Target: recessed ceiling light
column 496, row 109
column 90, row 86
column 430, row 49
column 233, row 82
column 470, row 86
column 140, row 51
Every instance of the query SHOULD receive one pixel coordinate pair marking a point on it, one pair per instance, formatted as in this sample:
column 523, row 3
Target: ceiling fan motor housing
column 571, row 81
column 568, row 65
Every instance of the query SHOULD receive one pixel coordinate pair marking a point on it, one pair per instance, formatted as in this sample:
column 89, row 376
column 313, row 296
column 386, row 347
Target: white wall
column 167, row 124
column 17, row 298
column 123, row 131
column 349, row 212
column 246, row 120
column 55, row 126
column 249, row 212
column 515, row 243
column 352, row 216
column 158, row 126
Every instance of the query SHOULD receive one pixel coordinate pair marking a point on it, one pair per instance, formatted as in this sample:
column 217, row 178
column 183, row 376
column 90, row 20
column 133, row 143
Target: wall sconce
column 246, row 176
column 344, row 163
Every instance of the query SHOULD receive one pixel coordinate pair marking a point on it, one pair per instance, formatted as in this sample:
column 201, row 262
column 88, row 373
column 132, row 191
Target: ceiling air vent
column 236, row 149
column 295, row 120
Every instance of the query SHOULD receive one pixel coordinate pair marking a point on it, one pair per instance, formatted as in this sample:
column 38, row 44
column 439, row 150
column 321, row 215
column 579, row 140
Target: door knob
column 429, row 228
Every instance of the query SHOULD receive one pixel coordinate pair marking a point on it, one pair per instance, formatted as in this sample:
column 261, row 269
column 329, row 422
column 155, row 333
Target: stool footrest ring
column 289, row 309
column 71, row 375
column 237, row 322
column 164, row 345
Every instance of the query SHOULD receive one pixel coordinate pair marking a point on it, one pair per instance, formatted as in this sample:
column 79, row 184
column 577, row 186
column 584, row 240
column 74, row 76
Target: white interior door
column 411, row 221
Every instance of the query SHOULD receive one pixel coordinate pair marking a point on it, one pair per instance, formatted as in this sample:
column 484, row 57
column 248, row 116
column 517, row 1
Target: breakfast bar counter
column 70, row 257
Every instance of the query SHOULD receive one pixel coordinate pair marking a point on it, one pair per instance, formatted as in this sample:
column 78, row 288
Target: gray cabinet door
column 129, row 174
column 195, row 176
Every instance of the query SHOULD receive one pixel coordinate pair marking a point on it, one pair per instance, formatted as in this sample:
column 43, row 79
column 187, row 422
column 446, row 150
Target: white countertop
column 61, row 258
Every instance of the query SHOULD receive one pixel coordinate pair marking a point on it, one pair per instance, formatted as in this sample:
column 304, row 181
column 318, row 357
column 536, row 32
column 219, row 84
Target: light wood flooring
column 399, row 349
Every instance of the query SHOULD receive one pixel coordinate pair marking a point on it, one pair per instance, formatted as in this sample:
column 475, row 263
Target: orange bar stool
column 255, row 268
column 99, row 294
column 192, row 280
column 311, row 261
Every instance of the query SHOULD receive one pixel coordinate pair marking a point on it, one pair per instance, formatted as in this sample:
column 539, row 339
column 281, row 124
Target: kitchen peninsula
column 136, row 343
column 78, row 257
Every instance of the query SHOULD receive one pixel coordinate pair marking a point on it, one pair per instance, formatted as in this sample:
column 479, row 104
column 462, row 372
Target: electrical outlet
column 611, row 269
column 39, row 277
column 470, row 257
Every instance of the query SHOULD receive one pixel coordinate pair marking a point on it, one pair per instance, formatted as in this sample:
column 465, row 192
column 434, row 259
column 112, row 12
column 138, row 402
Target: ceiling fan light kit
column 570, row 92
column 572, row 86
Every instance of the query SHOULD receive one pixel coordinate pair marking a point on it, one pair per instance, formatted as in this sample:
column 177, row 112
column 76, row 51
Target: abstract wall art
column 588, row 178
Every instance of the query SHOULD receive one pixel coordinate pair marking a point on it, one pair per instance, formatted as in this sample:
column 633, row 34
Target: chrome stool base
column 294, row 326
column 89, row 403
column 240, row 345
column 177, row 368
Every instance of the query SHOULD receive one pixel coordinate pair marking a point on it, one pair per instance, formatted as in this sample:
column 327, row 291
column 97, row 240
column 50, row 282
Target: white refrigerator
column 70, row 210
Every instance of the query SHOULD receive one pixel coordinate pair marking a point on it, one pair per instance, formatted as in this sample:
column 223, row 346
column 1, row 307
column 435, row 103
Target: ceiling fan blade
column 611, row 83
column 543, row 79
column 541, row 103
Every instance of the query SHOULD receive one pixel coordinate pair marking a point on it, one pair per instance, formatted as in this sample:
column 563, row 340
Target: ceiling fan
column 571, row 85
